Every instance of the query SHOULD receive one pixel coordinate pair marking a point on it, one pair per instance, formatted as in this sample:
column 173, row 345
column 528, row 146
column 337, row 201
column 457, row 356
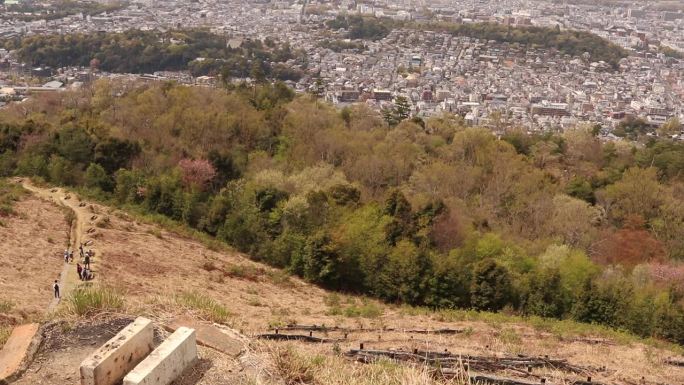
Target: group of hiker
column 84, row 271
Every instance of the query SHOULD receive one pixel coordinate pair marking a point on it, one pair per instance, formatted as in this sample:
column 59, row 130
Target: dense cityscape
column 488, row 82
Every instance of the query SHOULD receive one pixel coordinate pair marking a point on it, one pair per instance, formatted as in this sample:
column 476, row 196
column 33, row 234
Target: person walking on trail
column 86, row 262
column 66, row 256
column 56, row 287
column 79, row 270
column 80, row 248
column 71, row 255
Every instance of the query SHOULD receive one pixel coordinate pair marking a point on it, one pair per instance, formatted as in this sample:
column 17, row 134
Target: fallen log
column 479, row 363
column 588, row 382
column 592, row 341
column 434, row 331
column 293, row 337
column 675, row 361
column 314, row 328
column 479, row 378
column 494, row 380
column 323, row 328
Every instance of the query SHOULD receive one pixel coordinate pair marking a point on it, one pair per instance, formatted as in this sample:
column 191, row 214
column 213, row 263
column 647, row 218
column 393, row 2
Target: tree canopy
column 435, row 214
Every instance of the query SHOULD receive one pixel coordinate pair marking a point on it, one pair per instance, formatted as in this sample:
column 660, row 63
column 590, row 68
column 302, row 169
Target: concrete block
column 110, row 363
column 210, row 335
column 16, row 349
column 168, row 361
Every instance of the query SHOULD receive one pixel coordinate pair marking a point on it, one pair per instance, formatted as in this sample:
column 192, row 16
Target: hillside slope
column 32, row 241
column 164, row 275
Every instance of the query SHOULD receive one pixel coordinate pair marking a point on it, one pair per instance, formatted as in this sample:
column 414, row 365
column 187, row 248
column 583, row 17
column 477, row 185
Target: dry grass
column 33, row 242
column 301, row 368
column 353, row 307
column 10, row 193
column 207, row 308
column 5, row 332
column 6, row 306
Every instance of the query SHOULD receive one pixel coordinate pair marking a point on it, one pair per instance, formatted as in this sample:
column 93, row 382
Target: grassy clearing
column 207, row 308
column 562, row 329
column 92, row 300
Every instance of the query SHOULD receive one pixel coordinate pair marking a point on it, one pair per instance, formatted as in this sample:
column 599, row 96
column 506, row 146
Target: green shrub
column 491, row 286
column 366, row 310
column 9, row 193
column 92, row 300
column 5, row 332
column 6, row 306
column 96, row 177
column 248, row 272
column 208, row 308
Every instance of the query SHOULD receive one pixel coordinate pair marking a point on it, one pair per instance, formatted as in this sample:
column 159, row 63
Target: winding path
column 68, row 276
column 22, row 341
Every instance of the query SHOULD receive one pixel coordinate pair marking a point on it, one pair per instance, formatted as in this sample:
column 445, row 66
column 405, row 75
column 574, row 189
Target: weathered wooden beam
column 323, row 328
column 293, row 337
column 446, row 359
column 675, row 361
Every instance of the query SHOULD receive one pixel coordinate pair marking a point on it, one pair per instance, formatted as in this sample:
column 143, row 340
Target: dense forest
column 574, row 43
column 135, row 51
column 430, row 213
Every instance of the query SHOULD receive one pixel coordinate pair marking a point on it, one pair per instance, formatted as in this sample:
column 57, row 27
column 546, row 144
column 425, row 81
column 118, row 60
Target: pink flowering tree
column 668, row 274
column 196, row 173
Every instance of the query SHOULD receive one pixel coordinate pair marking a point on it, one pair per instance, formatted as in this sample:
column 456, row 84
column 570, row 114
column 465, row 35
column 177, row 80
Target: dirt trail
column 68, row 276
column 15, row 352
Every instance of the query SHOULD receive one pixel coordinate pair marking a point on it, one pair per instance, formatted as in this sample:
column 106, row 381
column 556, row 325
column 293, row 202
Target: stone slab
column 209, row 335
column 15, row 349
column 110, row 363
column 167, row 361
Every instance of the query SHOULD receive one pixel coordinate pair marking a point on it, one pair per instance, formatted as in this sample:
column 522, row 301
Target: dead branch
column 323, row 328
column 293, row 337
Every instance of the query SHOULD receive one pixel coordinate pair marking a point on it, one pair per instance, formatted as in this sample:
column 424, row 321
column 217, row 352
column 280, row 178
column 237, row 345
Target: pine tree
column 402, row 109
